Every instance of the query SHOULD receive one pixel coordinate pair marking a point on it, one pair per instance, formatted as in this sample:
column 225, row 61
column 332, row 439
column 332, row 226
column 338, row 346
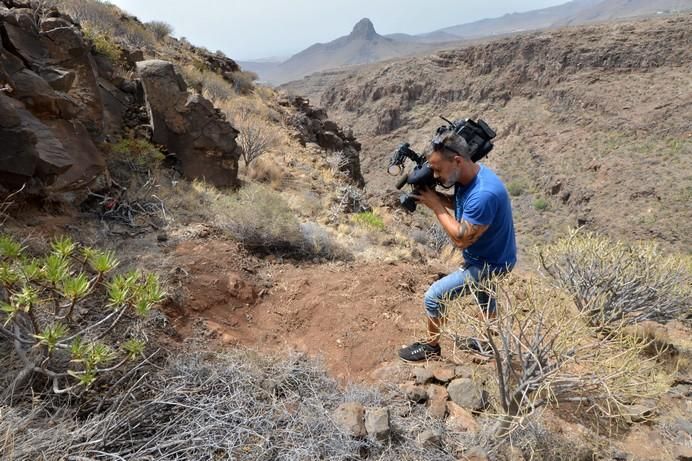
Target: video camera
column 478, row 136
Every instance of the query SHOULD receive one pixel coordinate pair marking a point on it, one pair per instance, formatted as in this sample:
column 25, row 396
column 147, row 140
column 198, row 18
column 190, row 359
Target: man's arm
column 463, row 233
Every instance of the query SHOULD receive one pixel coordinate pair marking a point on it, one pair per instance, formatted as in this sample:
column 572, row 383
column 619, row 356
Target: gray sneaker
column 419, row 351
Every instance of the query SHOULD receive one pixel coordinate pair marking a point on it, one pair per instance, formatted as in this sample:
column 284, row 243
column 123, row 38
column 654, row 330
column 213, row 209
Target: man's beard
column 452, row 179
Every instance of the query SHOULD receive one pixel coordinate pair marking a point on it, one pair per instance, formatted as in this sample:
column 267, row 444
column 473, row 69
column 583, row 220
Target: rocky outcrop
column 29, row 148
column 217, row 62
column 59, row 98
column 363, row 30
column 51, row 104
column 313, row 125
column 189, row 126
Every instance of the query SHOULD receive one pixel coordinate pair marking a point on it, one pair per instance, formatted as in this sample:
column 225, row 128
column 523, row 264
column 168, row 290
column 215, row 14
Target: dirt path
column 353, row 316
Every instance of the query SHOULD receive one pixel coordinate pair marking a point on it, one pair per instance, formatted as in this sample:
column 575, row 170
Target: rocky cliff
column 60, row 98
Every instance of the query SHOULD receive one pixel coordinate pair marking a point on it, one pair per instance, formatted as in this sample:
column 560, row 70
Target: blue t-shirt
column 485, row 201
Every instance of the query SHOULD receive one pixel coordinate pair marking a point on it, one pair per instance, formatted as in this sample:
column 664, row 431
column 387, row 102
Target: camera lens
column 395, row 170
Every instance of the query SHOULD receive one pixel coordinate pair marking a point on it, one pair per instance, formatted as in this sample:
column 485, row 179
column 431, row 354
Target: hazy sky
column 249, row 29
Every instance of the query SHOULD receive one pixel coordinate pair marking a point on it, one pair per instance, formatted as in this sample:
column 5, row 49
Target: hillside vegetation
column 592, row 122
column 218, row 270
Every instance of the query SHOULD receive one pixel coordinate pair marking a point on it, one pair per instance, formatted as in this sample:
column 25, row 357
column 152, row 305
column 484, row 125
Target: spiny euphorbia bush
column 616, row 282
column 60, row 309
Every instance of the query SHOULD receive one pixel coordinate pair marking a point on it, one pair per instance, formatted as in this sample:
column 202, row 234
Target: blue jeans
column 469, row 279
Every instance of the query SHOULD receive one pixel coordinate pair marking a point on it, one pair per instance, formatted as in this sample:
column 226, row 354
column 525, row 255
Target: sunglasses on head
column 440, row 145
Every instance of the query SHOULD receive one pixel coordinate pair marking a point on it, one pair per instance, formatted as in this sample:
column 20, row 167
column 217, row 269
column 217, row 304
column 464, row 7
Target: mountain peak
column 363, row 29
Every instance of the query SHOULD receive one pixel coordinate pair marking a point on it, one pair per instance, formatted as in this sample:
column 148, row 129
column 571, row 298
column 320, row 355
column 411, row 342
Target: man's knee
column 432, row 303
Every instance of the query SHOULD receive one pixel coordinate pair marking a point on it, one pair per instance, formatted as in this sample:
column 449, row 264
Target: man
column 482, row 226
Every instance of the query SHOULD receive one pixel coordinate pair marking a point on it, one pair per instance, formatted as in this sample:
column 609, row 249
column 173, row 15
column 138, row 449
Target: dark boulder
column 189, row 126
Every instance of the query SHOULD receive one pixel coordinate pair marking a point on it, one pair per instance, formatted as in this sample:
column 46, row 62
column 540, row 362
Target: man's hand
column 463, row 234
column 430, row 198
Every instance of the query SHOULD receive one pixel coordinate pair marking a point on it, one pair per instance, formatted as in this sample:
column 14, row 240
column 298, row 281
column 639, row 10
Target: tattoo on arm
column 469, row 234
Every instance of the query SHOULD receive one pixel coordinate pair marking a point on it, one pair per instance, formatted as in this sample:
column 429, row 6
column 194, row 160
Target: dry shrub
column 215, row 88
column 107, row 19
column 7, row 202
column 257, row 133
column 347, row 199
column 615, row 282
column 236, row 405
column 262, row 221
column 186, row 201
column 160, row 29
column 320, row 243
column 547, row 354
column 538, row 443
column 265, row 93
column 255, row 137
column 267, row 171
column 207, row 83
column 243, row 81
column 434, row 237
column 92, row 12
column 305, row 202
column 134, row 34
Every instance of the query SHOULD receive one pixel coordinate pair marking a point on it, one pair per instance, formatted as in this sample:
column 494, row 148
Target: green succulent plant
column 25, row 299
column 103, row 262
column 134, row 348
column 119, row 291
column 10, row 310
column 98, row 354
column 8, row 276
column 88, row 253
column 64, row 246
column 55, row 268
column 31, row 270
column 74, row 288
column 84, row 378
column 38, row 296
column 51, row 334
column 9, row 247
column 78, row 350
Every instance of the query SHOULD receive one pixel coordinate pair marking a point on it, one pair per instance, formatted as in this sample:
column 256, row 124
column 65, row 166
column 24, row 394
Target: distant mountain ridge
column 364, row 45
column 570, row 13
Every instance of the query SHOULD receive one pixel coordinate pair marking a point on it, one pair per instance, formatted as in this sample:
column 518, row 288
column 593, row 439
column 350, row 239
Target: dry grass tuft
column 108, row 20
column 207, row 83
column 260, row 219
column 267, row 171
column 7, row 202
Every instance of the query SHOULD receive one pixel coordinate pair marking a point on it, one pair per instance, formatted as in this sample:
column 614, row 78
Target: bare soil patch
column 354, row 317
